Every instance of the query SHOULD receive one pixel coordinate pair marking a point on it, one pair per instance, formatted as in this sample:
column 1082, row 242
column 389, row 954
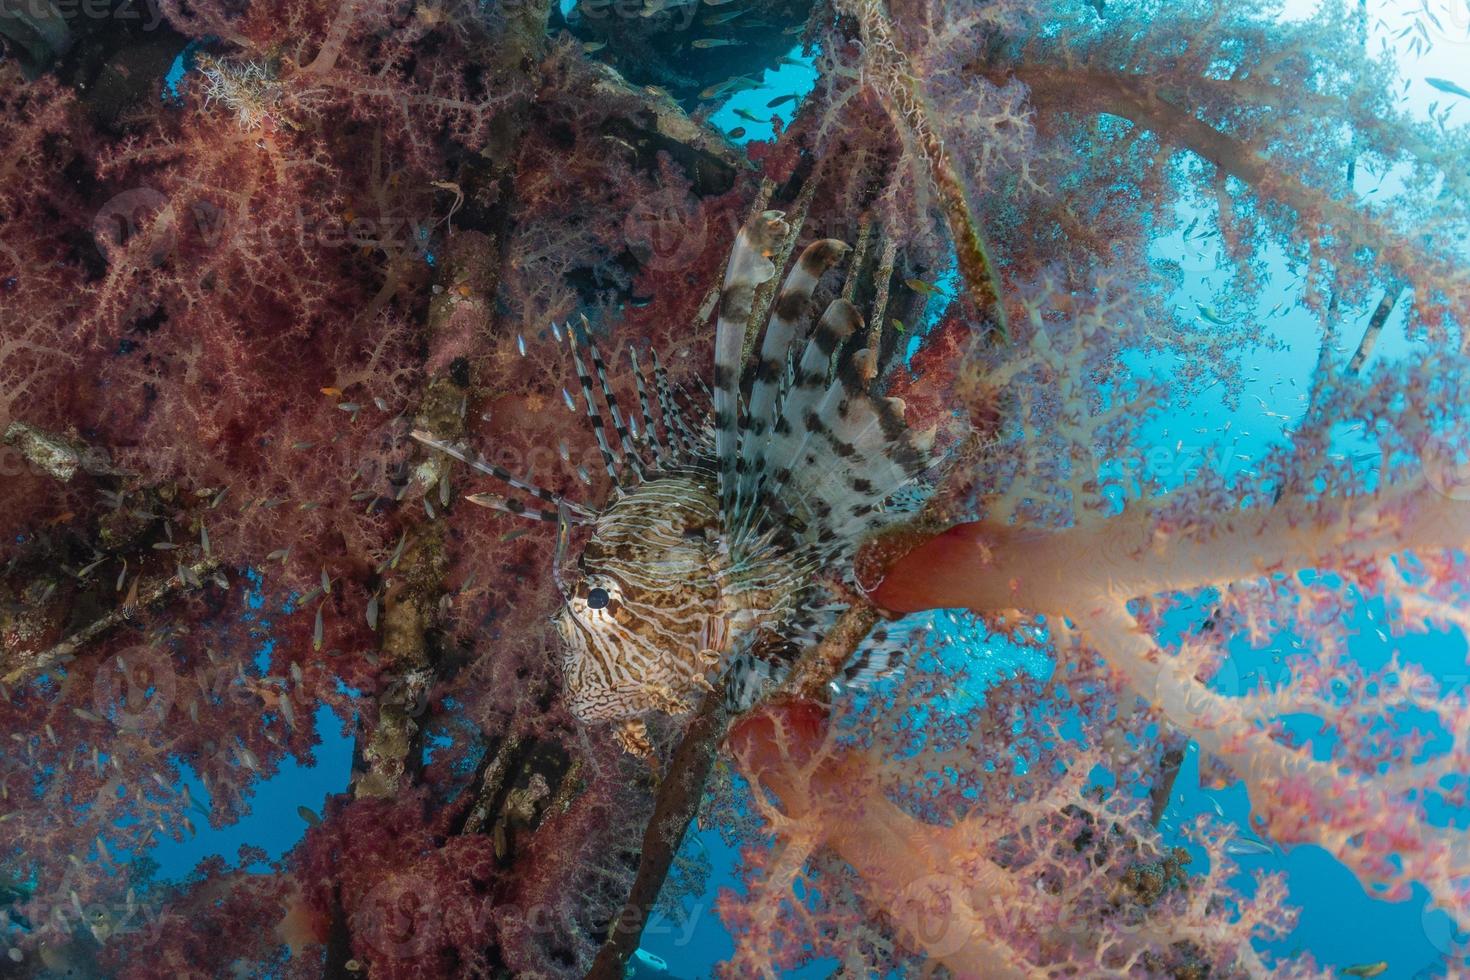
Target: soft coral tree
column 351, row 222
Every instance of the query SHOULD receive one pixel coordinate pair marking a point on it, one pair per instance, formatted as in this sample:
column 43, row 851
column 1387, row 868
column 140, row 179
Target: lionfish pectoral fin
column 883, row 654
column 837, row 452
column 632, row 738
column 749, row 266
column 770, row 369
column 748, row 678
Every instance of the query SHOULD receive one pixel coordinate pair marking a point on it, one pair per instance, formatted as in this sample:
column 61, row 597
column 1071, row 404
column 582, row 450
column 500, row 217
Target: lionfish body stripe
column 703, row 562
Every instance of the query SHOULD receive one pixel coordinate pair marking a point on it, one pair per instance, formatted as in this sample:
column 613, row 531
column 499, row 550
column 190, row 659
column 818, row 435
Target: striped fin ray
column 500, row 473
column 881, row 655
column 645, row 412
column 770, row 369
column 869, row 434
column 599, row 428
column 789, row 433
column 749, row 266
column 860, row 453
column 681, row 437
column 509, row 505
column 625, row 439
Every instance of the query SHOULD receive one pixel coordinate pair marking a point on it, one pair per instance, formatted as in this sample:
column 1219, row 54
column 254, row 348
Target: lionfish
column 704, row 562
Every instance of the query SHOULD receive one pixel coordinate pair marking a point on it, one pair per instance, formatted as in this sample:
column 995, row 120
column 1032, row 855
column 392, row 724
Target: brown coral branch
column 1073, row 89
column 1375, row 327
column 903, row 96
column 25, row 667
column 676, row 806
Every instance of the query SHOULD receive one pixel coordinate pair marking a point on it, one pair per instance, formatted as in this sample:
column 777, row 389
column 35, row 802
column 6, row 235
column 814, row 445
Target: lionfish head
column 641, row 620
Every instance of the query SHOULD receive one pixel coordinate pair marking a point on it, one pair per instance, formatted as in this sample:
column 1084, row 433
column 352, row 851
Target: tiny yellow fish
column 332, row 392
column 748, row 115
column 724, row 18
column 927, row 288
column 729, row 86
column 306, row 813
column 592, row 47
column 705, row 43
column 1365, row 969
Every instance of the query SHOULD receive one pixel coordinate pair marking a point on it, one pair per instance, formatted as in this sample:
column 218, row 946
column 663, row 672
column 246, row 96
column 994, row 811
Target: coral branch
column 21, row 667
column 677, row 804
column 1320, row 215
column 1159, row 547
column 1375, row 826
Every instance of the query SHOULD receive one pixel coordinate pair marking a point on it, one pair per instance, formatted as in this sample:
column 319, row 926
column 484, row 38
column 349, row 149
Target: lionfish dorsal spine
column 599, row 427
column 681, row 436
column 576, row 511
column 631, row 457
column 645, row 409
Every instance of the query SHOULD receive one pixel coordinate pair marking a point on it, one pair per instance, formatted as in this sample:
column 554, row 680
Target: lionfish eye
column 598, row 598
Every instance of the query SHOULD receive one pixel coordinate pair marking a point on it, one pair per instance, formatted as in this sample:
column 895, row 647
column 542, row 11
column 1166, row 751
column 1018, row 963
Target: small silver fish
column 1247, row 846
